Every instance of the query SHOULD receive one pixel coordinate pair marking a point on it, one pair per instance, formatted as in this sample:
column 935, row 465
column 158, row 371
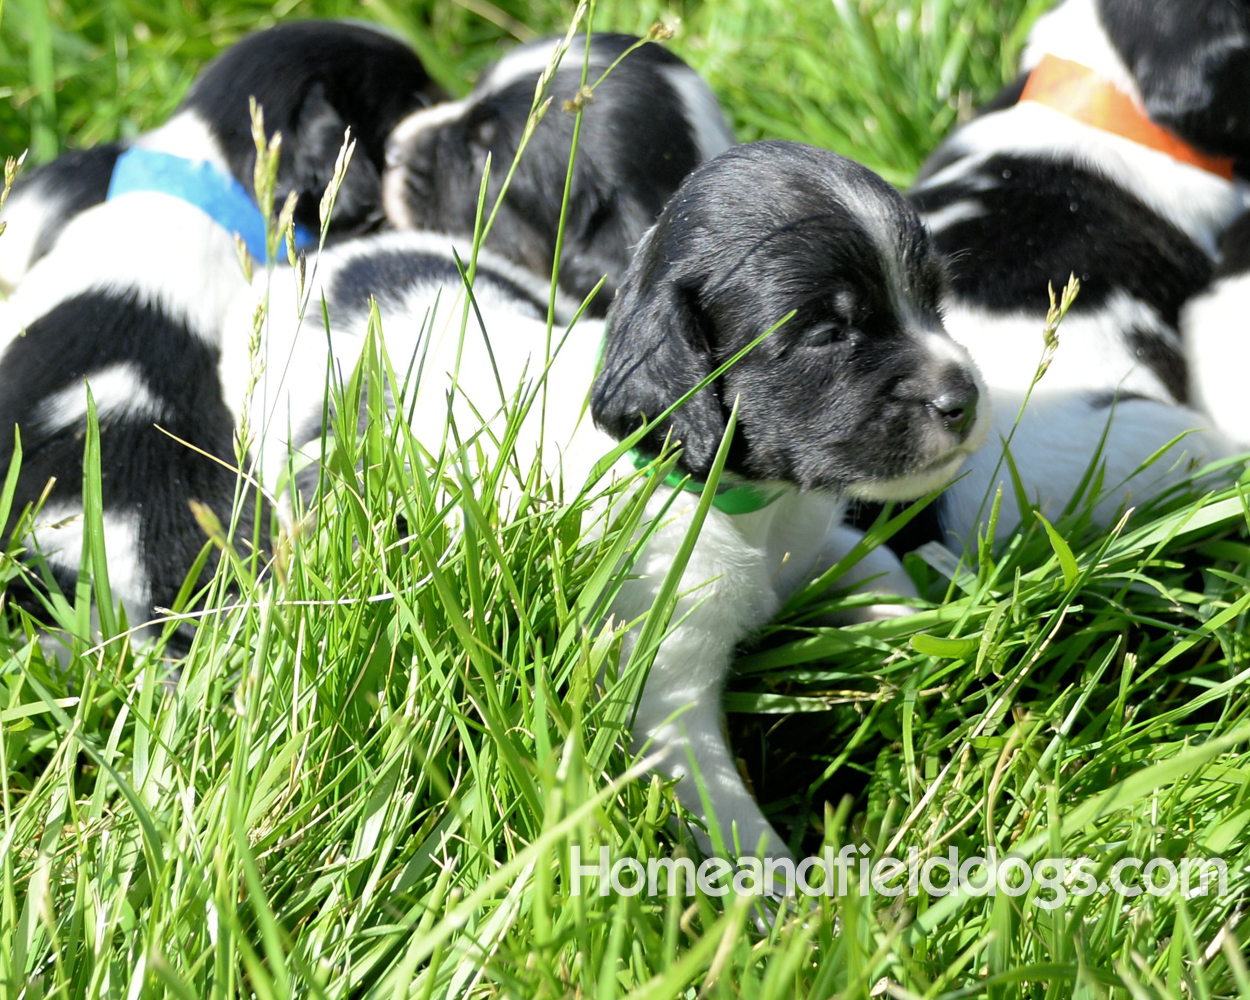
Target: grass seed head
column 341, row 163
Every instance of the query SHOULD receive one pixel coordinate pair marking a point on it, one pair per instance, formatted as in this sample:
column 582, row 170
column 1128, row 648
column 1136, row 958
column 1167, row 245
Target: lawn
column 377, row 759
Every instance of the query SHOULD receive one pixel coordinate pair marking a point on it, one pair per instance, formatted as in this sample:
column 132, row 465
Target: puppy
column 298, row 67
column 131, row 296
column 648, row 124
column 1107, row 160
column 860, row 394
column 1216, row 324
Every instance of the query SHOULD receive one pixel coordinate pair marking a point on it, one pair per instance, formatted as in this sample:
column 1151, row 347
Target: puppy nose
column 956, row 407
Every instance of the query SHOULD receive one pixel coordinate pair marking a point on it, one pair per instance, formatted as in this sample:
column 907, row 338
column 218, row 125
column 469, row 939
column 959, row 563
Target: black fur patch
column 1046, row 219
column 1191, row 62
column 1235, row 249
column 143, row 471
column 925, row 527
column 313, row 80
column 384, row 275
column 1106, row 400
column 1165, row 358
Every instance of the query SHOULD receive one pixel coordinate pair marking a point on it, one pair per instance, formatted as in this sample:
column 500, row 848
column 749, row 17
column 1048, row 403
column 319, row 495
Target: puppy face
column 649, row 124
column 1191, row 61
column 861, row 392
column 314, row 80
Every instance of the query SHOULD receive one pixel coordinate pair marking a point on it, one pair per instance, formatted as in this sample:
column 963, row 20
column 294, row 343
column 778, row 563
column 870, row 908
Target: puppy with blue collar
column 859, row 394
column 1111, row 158
column 131, row 295
column 295, row 66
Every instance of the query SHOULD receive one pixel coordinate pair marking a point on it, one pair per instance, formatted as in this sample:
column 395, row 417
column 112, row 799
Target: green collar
column 728, row 499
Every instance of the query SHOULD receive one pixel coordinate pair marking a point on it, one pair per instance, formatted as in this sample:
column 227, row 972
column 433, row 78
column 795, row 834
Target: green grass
column 370, row 775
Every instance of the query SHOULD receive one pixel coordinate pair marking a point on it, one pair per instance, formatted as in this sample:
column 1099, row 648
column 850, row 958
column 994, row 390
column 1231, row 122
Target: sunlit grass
column 377, row 756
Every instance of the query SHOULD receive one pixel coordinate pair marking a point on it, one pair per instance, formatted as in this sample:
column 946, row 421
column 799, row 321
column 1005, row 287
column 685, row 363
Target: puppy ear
column 655, row 353
column 1205, row 102
column 598, row 239
column 307, row 163
column 1192, row 67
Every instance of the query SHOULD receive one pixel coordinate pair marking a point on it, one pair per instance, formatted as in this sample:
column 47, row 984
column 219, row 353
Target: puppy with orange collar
column 1111, row 159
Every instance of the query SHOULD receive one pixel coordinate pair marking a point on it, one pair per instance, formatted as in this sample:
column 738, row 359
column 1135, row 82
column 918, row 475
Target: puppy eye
column 826, row 332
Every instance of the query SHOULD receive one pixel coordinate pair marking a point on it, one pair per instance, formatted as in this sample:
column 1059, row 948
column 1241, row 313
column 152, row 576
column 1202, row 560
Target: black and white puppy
column 131, row 296
column 648, row 124
column 1216, row 324
column 1103, row 160
column 307, row 84
column 861, row 394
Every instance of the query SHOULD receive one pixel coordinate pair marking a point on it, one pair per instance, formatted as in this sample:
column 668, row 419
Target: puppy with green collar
column 858, row 394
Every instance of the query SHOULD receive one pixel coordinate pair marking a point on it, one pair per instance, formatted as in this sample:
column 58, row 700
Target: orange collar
column 1079, row 92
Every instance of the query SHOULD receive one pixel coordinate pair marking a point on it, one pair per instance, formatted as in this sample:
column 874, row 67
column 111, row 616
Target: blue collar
column 219, row 196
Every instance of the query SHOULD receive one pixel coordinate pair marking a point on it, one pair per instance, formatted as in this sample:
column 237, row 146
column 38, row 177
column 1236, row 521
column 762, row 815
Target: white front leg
column 682, row 723
column 726, row 593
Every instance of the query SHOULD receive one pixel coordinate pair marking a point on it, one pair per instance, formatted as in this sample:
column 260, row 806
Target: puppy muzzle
column 407, row 151
column 955, row 423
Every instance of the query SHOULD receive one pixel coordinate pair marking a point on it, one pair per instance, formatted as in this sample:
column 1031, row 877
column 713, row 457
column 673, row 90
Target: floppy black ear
column 656, row 352
column 1192, row 66
column 1207, row 102
column 598, row 241
column 307, row 167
